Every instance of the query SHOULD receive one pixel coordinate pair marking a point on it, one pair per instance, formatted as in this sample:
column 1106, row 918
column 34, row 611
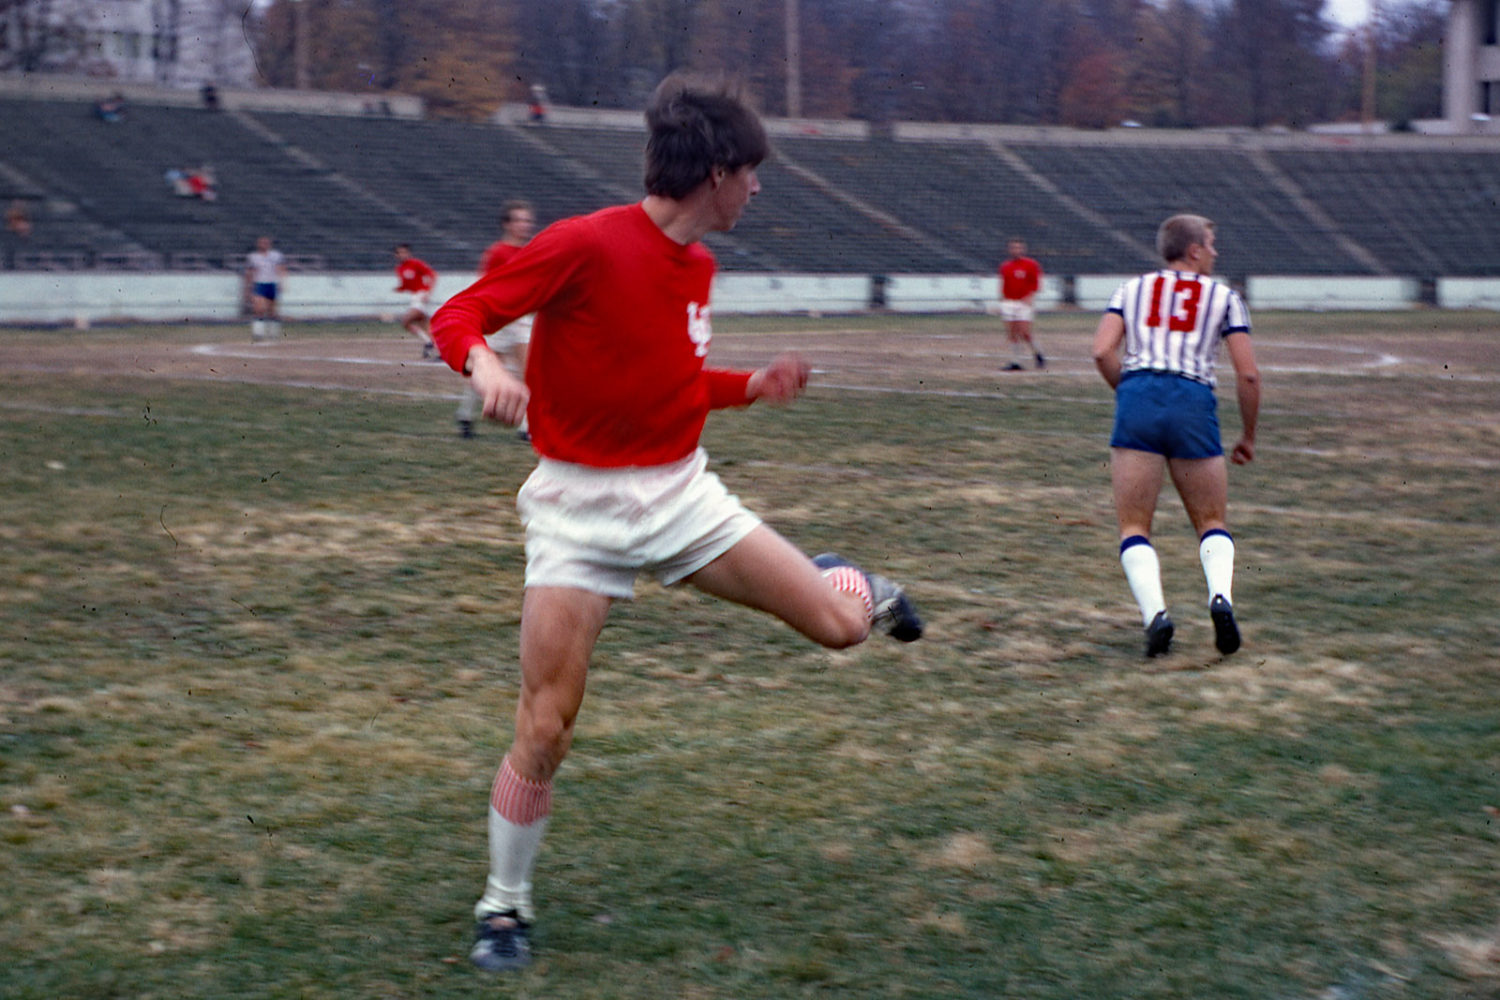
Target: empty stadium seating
column 338, row 192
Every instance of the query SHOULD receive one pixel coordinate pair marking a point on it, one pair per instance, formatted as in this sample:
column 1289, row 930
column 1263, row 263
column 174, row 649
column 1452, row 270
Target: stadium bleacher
column 338, row 192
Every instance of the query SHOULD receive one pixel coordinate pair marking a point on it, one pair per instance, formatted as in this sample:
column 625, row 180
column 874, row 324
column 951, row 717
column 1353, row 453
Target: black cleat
column 893, row 610
column 1041, row 362
column 502, row 942
column 1014, row 367
column 1226, row 632
column 466, row 428
column 1159, row 635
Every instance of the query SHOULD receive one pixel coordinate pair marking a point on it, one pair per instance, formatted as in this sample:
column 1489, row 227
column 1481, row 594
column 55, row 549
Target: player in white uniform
column 265, row 272
column 1171, row 324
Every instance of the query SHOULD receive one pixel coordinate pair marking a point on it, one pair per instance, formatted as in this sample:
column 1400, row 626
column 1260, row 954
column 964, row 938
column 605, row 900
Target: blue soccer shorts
column 1167, row 415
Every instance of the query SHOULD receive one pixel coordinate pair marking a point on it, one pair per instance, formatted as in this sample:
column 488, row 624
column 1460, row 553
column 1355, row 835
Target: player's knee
column 842, row 627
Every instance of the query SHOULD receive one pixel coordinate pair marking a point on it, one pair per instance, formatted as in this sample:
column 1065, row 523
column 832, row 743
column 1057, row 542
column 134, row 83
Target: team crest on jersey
column 700, row 329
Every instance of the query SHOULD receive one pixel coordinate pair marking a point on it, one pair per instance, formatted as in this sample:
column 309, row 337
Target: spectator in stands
column 1020, row 280
column 111, row 109
column 623, row 327
column 17, row 230
column 177, row 180
column 1171, row 324
column 201, row 184
column 265, row 274
column 517, row 223
column 18, row 219
column 417, row 280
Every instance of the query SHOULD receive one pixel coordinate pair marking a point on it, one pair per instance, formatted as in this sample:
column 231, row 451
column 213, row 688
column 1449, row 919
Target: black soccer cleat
column 1226, row 632
column 1159, row 635
column 1041, row 362
column 1014, row 366
column 893, row 610
column 502, row 942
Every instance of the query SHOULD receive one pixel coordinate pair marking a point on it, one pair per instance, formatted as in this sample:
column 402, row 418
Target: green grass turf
column 257, row 670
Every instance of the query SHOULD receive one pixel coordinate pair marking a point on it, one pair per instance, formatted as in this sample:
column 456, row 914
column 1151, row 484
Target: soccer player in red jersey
column 1157, row 346
column 1020, row 280
column 619, row 391
column 517, row 223
column 416, row 279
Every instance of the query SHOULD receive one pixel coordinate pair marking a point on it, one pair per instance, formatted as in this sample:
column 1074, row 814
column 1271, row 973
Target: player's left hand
column 1243, row 453
column 781, row 381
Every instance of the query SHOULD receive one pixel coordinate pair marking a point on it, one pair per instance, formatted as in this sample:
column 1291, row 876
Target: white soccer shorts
column 1016, row 311
column 596, row 529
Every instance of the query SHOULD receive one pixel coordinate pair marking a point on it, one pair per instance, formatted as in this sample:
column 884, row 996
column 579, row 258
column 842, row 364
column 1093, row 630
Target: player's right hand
column 505, row 396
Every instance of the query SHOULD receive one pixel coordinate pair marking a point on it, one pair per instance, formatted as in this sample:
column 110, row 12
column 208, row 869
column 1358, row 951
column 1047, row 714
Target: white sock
column 513, row 851
column 1216, row 552
column 257, row 329
column 519, row 810
column 1143, row 573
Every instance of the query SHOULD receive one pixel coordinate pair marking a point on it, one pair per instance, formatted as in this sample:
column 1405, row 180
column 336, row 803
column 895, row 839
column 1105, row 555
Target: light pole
column 1372, row 35
column 793, row 60
column 299, row 42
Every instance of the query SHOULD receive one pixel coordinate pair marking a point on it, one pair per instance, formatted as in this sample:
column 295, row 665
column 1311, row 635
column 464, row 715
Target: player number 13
column 1183, row 310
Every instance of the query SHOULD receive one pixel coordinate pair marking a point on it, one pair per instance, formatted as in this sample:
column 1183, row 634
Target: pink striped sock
column 853, row 581
column 519, row 800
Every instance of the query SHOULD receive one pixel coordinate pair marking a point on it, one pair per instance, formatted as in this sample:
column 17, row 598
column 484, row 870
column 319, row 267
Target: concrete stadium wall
column 781, row 293
column 1305, row 294
column 957, row 293
column 1468, row 293
column 1298, row 294
column 83, row 298
column 87, row 297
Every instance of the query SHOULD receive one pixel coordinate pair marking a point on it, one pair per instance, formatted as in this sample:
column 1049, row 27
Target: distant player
column 1171, row 323
column 622, row 391
column 417, row 280
column 1020, row 280
column 265, row 273
column 517, row 223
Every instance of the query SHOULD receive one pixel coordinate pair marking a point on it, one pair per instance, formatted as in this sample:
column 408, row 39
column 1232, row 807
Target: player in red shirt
column 416, row 279
column 517, row 223
column 619, row 391
column 1020, row 280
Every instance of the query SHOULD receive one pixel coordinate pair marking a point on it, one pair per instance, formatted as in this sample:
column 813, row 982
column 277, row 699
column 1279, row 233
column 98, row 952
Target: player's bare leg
column 559, row 627
column 1013, row 333
column 1137, row 478
column 417, row 324
column 766, row 572
column 1203, row 485
column 833, row 604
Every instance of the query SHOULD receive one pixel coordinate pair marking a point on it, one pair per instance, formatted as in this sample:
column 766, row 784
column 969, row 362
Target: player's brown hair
column 1180, row 232
column 513, row 206
column 696, row 126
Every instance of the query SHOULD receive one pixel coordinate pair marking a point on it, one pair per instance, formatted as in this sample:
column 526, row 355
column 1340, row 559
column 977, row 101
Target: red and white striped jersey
column 1175, row 322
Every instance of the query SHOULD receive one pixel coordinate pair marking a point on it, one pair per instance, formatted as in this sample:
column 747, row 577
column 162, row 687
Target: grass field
column 257, row 643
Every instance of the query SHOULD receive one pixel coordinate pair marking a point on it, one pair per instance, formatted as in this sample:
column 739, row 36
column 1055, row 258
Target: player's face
column 736, row 188
column 1017, row 249
column 1204, row 255
column 519, row 227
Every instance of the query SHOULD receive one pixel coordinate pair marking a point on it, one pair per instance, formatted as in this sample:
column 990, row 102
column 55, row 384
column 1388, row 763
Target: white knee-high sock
column 1216, row 552
column 519, row 810
column 1143, row 573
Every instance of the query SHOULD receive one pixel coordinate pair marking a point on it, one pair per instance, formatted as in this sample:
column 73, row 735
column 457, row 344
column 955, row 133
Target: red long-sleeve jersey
column 616, row 364
column 1020, row 277
column 413, row 275
column 498, row 253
